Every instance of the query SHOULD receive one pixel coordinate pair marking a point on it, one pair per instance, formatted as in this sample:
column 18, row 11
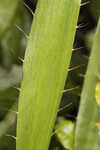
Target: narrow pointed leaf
column 87, row 129
column 44, row 72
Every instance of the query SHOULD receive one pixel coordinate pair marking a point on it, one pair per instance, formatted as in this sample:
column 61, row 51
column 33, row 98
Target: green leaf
column 65, row 133
column 87, row 132
column 44, row 72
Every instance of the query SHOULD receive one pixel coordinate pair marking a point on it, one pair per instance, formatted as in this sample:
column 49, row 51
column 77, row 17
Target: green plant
column 44, row 72
column 48, row 115
column 86, row 128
